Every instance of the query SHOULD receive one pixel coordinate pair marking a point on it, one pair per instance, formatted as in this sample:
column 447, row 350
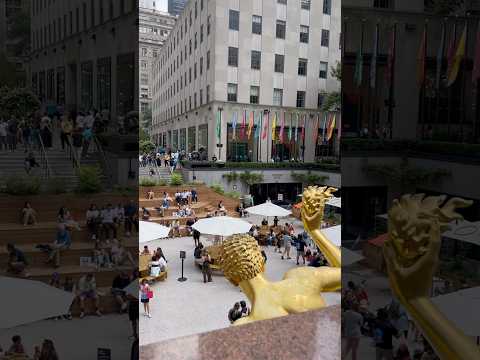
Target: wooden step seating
column 27, row 237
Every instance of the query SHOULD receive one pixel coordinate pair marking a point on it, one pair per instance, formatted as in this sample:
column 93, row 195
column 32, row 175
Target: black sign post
column 183, row 255
column 104, row 354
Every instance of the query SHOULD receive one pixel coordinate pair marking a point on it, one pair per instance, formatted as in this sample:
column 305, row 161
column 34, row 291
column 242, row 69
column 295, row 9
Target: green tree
column 17, row 101
column 8, row 72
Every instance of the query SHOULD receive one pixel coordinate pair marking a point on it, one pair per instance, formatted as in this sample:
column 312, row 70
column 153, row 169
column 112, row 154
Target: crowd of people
column 16, row 350
column 169, row 159
column 382, row 327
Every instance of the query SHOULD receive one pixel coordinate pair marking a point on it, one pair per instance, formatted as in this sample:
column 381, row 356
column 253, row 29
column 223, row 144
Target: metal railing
column 44, row 158
column 103, row 159
column 72, row 153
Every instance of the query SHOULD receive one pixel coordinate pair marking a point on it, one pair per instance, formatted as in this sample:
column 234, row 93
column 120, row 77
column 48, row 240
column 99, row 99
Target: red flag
column 265, row 125
column 421, row 58
column 391, row 56
column 315, row 130
column 476, row 61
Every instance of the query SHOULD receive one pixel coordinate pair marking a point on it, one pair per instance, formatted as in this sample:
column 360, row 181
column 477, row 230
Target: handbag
column 150, row 294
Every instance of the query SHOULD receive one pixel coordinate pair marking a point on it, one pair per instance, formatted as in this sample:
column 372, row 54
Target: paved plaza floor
column 76, row 339
column 191, row 307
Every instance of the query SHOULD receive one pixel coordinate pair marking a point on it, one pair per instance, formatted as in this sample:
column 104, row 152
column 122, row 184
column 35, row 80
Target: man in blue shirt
column 62, row 242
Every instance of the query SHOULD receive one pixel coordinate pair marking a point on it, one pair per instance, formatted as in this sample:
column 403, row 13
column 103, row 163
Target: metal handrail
column 103, row 159
column 72, row 153
column 44, row 158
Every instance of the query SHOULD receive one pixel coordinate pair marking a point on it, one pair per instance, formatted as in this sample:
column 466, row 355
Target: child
column 145, row 294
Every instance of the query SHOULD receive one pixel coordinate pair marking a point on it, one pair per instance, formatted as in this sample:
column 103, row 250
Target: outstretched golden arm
column 412, row 255
column 313, row 205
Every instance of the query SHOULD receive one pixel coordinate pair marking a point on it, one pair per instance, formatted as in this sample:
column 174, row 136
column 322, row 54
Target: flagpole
column 439, row 70
column 391, row 92
column 360, row 102
column 373, row 82
column 463, row 118
column 449, row 118
column 424, row 88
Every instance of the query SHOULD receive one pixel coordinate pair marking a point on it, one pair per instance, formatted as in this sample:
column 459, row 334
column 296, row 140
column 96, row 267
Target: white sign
column 280, row 197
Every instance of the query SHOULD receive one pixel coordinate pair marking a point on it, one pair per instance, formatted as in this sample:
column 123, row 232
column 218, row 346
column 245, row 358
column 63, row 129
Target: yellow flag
column 457, row 60
column 274, row 126
column 331, row 127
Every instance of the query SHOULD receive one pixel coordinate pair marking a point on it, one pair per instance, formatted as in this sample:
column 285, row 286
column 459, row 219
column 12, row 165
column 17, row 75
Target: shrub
column 147, row 182
column 56, row 186
column 22, row 185
column 162, row 182
column 233, row 194
column 231, row 176
column 89, row 180
column 176, row 180
column 327, row 165
column 309, row 178
column 250, row 179
column 218, row 188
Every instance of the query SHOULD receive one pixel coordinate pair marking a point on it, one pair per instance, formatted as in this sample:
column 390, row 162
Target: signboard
column 280, row 197
column 104, row 354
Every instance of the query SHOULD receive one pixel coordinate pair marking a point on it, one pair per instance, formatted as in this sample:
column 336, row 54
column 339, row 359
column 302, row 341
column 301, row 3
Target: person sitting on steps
column 29, row 215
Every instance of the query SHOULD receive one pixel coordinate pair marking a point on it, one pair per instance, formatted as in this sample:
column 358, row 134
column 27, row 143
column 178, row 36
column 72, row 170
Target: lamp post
column 183, row 255
column 219, row 144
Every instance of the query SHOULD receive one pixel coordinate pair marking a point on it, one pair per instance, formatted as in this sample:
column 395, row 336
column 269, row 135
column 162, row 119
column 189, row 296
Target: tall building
column 149, row 4
column 175, row 7
column 247, row 63
column 15, row 47
column 153, row 31
column 83, row 55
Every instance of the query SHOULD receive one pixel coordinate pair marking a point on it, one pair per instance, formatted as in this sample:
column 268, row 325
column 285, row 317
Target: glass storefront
column 242, row 148
column 203, row 139
column 183, row 139
column 61, row 86
column 86, row 85
column 192, row 134
column 104, row 83
column 174, row 140
column 125, row 83
column 288, row 149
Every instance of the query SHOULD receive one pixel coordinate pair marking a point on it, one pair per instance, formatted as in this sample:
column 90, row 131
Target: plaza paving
column 181, row 309
column 77, row 339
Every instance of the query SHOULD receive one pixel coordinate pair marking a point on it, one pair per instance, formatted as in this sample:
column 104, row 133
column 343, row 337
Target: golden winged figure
column 301, row 288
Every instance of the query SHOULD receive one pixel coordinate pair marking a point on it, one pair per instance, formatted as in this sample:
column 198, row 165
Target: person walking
column 287, row 245
column 145, row 295
column 300, row 249
column 352, row 323
column 206, row 269
column 66, row 128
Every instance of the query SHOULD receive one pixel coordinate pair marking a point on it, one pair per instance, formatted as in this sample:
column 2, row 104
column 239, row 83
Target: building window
column 304, row 34
column 144, row 51
column 208, row 93
column 232, row 92
column 190, row 46
column 325, row 37
column 300, row 99
column 201, row 97
column 277, row 97
column 196, row 10
column 195, row 70
column 201, row 33
column 302, row 67
column 233, row 20
column 323, row 70
column 327, row 7
column 208, row 59
column 254, row 94
column 281, row 29
column 256, row 60
column 189, row 75
column 195, row 100
column 321, row 97
column 233, row 56
column 256, row 24
column 282, row 2
column 383, row 4
column 305, row 4
column 201, row 65
column 279, row 63
column 208, row 25
column 201, row 5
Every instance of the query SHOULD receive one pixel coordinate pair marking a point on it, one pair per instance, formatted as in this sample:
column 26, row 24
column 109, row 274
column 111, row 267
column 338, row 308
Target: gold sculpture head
column 412, row 219
column 241, row 258
column 313, row 204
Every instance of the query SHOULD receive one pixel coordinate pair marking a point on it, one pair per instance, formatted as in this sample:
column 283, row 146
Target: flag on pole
column 290, row 129
column 458, row 58
column 250, row 124
column 219, row 125
column 282, row 128
column 315, row 130
column 339, row 126
column 296, row 128
column 303, row 127
column 274, row 126
column 258, row 125
column 331, row 127
column 359, row 68
column 373, row 66
column 266, row 120
column 244, row 125
column 440, row 53
column 421, row 58
column 234, row 126
column 391, row 57
column 476, row 61
column 324, row 128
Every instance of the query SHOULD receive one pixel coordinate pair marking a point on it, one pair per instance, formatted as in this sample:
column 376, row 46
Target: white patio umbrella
column 133, row 289
column 27, row 301
column 222, row 226
column 460, row 308
column 150, row 231
column 350, row 257
column 268, row 209
column 334, row 234
column 335, row 202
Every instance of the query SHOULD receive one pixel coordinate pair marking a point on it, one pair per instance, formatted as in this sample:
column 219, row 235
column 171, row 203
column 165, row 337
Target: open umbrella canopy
column 27, row 301
column 268, row 209
column 460, row 308
column 334, row 234
column 150, row 231
column 335, row 202
column 222, row 226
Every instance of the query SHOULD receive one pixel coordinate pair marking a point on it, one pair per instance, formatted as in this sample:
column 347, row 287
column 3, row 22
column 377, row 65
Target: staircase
column 161, row 173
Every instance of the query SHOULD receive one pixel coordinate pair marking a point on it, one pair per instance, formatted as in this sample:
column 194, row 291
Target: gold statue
column 301, row 288
column 412, row 255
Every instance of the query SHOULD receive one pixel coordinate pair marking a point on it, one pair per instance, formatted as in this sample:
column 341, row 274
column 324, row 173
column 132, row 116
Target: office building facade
column 175, row 7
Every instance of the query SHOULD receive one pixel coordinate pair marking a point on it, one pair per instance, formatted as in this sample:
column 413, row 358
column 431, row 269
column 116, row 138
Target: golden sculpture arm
column 412, row 255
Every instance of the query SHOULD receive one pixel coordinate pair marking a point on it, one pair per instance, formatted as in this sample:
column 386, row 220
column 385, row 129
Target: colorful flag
column 234, row 126
column 476, row 61
column 219, row 125
column 440, row 53
column 315, row 130
column 282, row 128
column 339, row 126
column 290, row 129
column 421, row 58
column 373, row 65
column 303, row 127
column 324, row 128
column 296, row 128
column 331, row 127
column 274, row 126
column 458, row 58
column 266, row 120
column 258, row 125
column 244, row 125
column 391, row 56
column 250, row 124
column 359, row 68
